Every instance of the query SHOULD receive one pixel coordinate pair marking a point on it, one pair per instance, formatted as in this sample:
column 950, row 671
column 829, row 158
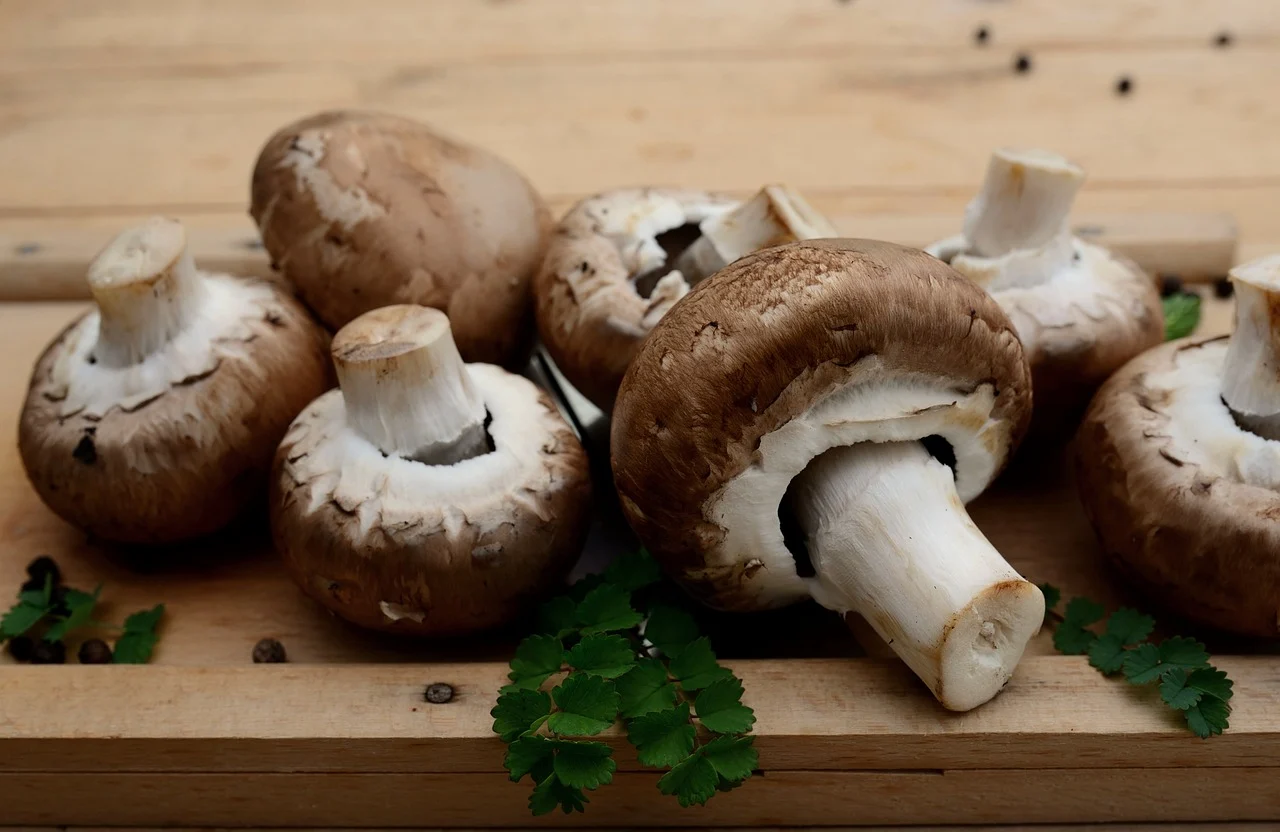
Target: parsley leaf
column 551, row 794
column 696, row 667
column 670, row 629
column 1130, row 626
column 645, row 689
column 1106, row 653
column 530, row 755
column 1146, row 663
column 694, row 781
column 22, row 617
column 720, row 707
column 536, row 659
column 81, row 606
column 1052, row 595
column 663, row 738
column 1208, row 717
column 517, row 711
column 558, row 617
column 1183, row 690
column 607, row 609
column 139, row 639
column 1181, row 314
column 633, row 571
column 1071, row 637
column 588, row 705
column 599, row 655
column 734, row 758
column 584, row 765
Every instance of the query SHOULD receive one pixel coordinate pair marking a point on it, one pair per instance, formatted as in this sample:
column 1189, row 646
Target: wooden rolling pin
column 1195, row 247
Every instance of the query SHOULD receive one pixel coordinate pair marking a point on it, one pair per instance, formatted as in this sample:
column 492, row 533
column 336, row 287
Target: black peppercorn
column 95, row 651
column 44, row 566
column 1124, row 86
column 49, row 652
column 58, row 602
column 1170, row 284
column 1223, row 288
column 439, row 693
column 21, row 648
column 269, row 651
column 1022, row 65
column 1223, row 40
column 981, row 36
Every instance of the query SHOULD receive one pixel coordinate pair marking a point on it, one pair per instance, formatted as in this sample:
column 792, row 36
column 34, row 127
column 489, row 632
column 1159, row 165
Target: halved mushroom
column 362, row 210
column 809, row 422
column 1080, row 310
column 1178, row 465
column 427, row 496
column 619, row 260
column 154, row 416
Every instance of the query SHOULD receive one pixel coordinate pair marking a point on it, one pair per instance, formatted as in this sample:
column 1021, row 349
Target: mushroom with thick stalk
column 1178, row 465
column 427, row 496
column 154, row 416
column 363, row 210
column 809, row 422
column 619, row 260
column 1080, row 310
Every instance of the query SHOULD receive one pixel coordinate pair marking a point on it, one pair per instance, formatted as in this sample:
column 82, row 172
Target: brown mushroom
column 808, row 422
column 1080, row 310
column 1178, row 466
column 362, row 210
column 427, row 496
column 619, row 260
column 154, row 416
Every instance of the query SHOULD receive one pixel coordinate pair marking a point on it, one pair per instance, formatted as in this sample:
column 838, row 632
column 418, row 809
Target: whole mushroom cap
column 154, row 416
column 361, row 210
column 782, row 356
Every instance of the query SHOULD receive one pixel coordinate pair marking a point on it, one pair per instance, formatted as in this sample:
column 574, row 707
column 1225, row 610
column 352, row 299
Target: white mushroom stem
column 147, row 289
column 1251, row 374
column 1024, row 202
column 774, row 216
column 890, row 539
column 406, row 388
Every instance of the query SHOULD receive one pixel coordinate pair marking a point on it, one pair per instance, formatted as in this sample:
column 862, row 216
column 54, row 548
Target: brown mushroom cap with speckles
column 1185, row 501
column 777, row 358
column 363, row 210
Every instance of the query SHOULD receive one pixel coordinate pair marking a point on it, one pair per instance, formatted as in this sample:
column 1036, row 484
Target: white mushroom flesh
column 1024, row 202
column 1251, row 374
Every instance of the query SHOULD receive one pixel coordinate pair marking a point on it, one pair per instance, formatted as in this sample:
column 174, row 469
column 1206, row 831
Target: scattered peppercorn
column 49, row 652
column 1125, row 85
column 21, row 648
column 1022, row 65
column 981, row 36
column 439, row 693
column 58, row 602
column 269, row 651
column 44, row 566
column 1223, row 40
column 1170, row 284
column 1223, row 288
column 95, row 651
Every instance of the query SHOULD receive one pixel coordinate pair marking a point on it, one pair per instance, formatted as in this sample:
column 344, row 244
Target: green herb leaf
column 663, row 738
column 139, row 639
column 1208, row 717
column 22, row 617
column 633, row 571
column 1072, row 640
column 600, row 655
column 1082, row 612
column 1142, row 664
column 1184, row 653
column 551, row 794
column 1146, row 663
column 1129, row 626
column 558, row 617
column 734, row 758
column 1106, row 653
column 1052, row 595
column 583, row 586
column 694, row 781
column 588, row 705
column 536, row 659
column 584, row 765
column 517, row 710
column 696, row 667
column 607, row 609
column 1181, row 315
column 670, row 629
column 81, row 606
column 645, row 689
column 720, row 708
column 530, row 755
column 1183, row 690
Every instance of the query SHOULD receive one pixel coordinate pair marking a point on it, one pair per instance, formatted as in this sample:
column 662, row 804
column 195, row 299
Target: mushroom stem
column 406, row 388
column 889, row 539
column 774, row 216
column 147, row 289
column 1024, row 202
column 1251, row 373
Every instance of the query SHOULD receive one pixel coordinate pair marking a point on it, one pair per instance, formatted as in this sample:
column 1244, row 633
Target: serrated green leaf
column 584, row 765
column 517, row 710
column 1147, row 662
column 720, row 709
column 527, row 754
column 588, row 705
column 1052, row 595
column 607, row 609
column 1184, row 653
column 558, row 617
column 1212, row 682
column 1082, row 612
column 1106, row 653
column 633, row 571
column 583, row 586
column 1181, row 315
column 670, row 629
column 550, row 794
column 134, row 648
column 1072, row 640
column 1129, row 626
column 601, row 655
column 1208, row 717
column 80, row 606
column 696, row 667
column 21, row 618
column 663, row 738
column 145, row 621
column 537, row 659
column 1175, row 693
column 693, row 781
column 645, row 689
column 734, row 758
column 727, row 785
column 1142, row 664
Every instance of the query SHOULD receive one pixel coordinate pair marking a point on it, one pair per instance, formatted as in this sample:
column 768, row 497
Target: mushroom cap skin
column 781, row 356
column 591, row 316
column 176, row 446
column 1184, row 500
column 362, row 210
column 394, row 544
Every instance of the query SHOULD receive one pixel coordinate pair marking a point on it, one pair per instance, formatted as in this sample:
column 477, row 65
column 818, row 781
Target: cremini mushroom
column 362, row 210
column 619, row 260
column 808, row 422
column 154, row 416
column 1080, row 310
column 427, row 496
column 1178, row 466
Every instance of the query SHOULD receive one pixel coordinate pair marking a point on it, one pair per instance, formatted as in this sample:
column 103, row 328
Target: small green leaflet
column 663, row 738
column 530, row 755
column 645, row 689
column 583, row 765
column 550, row 794
column 720, row 709
column 517, row 710
column 536, row 659
column 81, row 606
column 140, row 637
column 1125, row 627
column 693, row 782
column 601, row 655
column 734, row 758
column 1071, row 637
column 607, row 609
column 558, row 617
column 31, row 608
column 1183, row 690
column 1052, row 595
column 633, row 571
column 588, row 705
column 696, row 667
column 1146, row 663
column 1209, row 717
column 670, row 629
column 1181, row 315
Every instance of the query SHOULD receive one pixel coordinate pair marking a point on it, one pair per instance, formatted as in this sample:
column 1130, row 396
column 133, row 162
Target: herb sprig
column 609, row 653
column 1181, row 314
